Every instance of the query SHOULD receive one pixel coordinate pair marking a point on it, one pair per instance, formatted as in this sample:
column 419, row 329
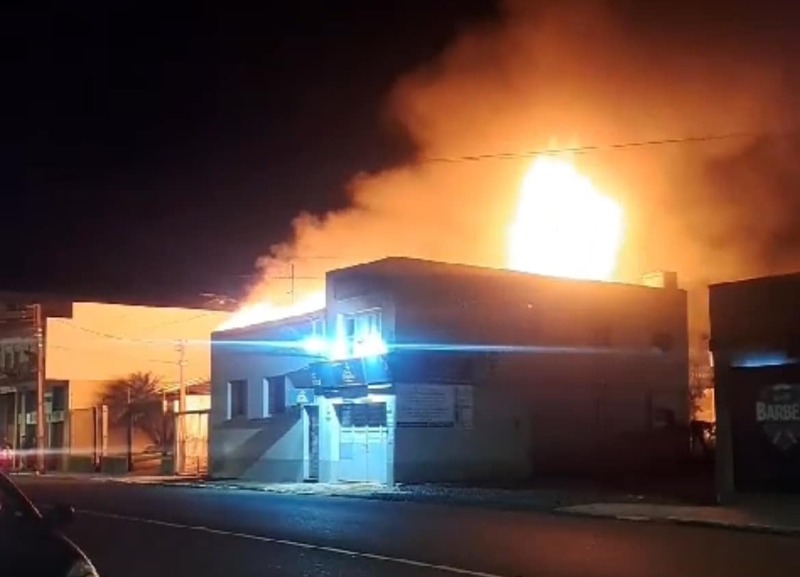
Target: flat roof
column 285, row 322
column 783, row 278
column 409, row 266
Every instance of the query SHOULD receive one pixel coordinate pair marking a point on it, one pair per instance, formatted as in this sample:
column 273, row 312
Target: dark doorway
column 313, row 442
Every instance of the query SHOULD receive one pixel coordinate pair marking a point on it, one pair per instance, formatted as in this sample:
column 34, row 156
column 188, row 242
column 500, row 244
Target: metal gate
column 363, row 438
column 191, row 451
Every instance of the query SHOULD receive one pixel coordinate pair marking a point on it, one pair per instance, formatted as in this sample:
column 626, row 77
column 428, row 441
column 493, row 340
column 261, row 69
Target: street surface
column 139, row 530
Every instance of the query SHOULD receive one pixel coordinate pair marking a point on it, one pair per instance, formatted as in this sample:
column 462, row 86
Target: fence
column 192, row 443
column 137, row 439
column 141, row 439
column 84, row 443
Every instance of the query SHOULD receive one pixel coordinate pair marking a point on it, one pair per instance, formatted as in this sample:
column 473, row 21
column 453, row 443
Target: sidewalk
column 769, row 514
column 539, row 499
column 549, row 499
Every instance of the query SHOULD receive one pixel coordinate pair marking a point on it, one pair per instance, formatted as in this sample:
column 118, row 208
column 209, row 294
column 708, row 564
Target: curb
column 436, row 500
column 56, row 475
column 706, row 523
column 405, row 498
column 99, row 478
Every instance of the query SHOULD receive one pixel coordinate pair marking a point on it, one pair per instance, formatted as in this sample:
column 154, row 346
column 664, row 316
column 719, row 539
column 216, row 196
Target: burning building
column 425, row 371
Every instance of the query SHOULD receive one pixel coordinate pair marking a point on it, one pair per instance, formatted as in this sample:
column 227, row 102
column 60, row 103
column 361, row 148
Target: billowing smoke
column 578, row 73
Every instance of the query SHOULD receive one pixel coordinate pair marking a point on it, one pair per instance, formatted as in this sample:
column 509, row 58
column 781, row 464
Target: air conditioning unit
column 56, row 417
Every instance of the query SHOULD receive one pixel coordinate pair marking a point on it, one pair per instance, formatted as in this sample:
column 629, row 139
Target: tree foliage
column 139, row 398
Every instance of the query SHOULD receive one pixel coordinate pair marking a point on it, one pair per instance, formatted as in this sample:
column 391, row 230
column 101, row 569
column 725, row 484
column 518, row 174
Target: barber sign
column 778, row 413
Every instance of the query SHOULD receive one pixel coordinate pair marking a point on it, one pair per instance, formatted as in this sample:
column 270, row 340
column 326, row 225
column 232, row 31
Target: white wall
column 248, row 447
column 265, row 450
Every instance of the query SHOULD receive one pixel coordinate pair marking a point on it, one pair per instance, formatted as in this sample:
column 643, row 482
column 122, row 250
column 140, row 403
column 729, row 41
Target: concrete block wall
column 269, row 450
column 497, row 447
column 596, row 412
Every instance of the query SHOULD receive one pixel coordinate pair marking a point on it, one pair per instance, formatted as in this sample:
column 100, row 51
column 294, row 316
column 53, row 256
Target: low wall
column 268, row 450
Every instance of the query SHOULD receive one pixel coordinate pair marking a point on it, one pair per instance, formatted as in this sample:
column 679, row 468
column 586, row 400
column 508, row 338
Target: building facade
column 87, row 345
column 756, row 347
column 422, row 371
column 20, row 316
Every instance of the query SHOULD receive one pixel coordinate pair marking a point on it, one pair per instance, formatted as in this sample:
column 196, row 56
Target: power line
column 600, row 147
column 116, row 353
column 134, row 339
column 179, row 321
column 98, row 333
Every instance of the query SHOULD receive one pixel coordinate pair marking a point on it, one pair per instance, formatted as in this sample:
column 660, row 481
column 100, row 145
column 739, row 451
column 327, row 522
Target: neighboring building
column 88, row 344
column 755, row 340
column 423, row 371
column 18, row 370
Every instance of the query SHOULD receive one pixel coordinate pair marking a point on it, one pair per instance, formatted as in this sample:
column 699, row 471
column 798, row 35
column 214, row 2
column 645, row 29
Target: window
column 662, row 341
column 59, row 398
column 237, row 399
column 274, row 395
column 350, row 328
column 360, row 327
column 362, row 415
column 369, row 323
column 13, row 506
column 318, row 328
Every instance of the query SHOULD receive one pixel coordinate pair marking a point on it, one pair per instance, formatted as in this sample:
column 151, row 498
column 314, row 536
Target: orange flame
column 564, row 226
column 264, row 311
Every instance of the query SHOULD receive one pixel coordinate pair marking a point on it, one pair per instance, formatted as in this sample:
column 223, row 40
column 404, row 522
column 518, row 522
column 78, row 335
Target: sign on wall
column 778, row 414
column 339, row 375
column 297, row 396
column 425, row 406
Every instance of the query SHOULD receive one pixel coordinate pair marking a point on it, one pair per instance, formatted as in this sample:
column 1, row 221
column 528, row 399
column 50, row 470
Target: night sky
column 164, row 150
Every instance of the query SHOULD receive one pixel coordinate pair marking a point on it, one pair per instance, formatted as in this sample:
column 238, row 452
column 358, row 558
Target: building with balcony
column 423, row 371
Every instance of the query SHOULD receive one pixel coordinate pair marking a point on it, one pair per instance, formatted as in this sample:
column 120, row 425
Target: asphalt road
column 146, row 530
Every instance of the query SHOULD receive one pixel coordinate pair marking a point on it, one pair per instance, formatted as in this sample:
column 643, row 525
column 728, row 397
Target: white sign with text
column 425, row 405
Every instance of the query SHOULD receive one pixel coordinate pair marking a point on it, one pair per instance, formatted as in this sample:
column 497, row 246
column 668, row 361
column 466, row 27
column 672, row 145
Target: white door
column 363, row 439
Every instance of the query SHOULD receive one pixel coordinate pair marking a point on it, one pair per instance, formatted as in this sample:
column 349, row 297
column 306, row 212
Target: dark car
column 32, row 543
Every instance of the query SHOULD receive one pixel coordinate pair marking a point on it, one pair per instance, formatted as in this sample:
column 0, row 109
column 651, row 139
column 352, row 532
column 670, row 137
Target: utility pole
column 181, row 424
column 181, row 348
column 40, row 383
column 129, row 432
